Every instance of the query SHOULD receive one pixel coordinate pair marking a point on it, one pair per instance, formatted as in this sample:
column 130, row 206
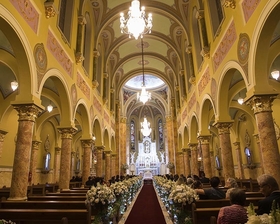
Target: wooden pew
column 46, row 216
column 202, row 210
column 56, row 198
column 66, row 194
column 43, row 204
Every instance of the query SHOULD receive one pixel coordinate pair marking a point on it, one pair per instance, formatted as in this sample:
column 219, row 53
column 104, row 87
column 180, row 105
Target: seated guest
column 270, row 189
column 235, row 213
column 203, row 178
column 230, row 184
column 214, row 192
column 180, row 181
column 89, row 182
column 189, row 181
column 198, row 185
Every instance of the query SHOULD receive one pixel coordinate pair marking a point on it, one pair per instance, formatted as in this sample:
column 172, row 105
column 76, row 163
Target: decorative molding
column 50, row 9
column 229, row 3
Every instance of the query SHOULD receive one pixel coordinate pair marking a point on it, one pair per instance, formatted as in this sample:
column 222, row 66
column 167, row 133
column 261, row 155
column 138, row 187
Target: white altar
column 147, row 159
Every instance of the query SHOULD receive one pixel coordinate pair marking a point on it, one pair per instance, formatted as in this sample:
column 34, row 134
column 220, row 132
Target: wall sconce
column 50, row 107
column 14, row 85
column 275, row 74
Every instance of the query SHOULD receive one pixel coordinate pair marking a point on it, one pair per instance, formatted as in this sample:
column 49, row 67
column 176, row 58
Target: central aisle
column 146, row 208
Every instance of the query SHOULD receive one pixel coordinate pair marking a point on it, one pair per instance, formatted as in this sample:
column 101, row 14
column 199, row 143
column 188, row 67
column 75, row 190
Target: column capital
column 123, row 120
column 36, row 144
column 87, row 142
column 193, row 146
column 82, row 20
column 223, row 127
column 57, row 149
column 99, row 148
column 261, row 103
column 108, row 152
column 50, row 9
column 67, row 132
column 27, row 112
column 229, row 3
column 204, row 139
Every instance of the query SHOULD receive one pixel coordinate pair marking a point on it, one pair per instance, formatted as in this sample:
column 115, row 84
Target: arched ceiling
column 163, row 49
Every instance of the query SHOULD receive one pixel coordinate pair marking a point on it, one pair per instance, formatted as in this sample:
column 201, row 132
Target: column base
column 17, row 199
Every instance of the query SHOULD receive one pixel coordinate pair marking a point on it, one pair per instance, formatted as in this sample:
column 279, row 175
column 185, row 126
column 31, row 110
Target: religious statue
column 162, row 157
column 132, row 157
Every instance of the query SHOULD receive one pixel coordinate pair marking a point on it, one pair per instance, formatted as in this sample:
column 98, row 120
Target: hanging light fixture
column 136, row 23
column 14, row 85
column 145, row 128
column 275, row 74
column 50, row 107
column 144, row 96
column 240, row 100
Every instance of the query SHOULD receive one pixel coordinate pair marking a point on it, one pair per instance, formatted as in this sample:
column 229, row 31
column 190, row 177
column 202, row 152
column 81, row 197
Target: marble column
column 186, row 160
column 239, row 160
column 72, row 165
column 180, row 168
column 108, row 174
column 33, row 162
column 123, row 136
column 19, row 183
column 226, row 150
column 86, row 144
column 213, row 169
column 56, row 166
column 268, row 141
column 256, row 136
column 113, row 164
column 204, row 139
column 194, row 161
column 170, row 139
column 2, row 136
column 65, row 163
column 99, row 157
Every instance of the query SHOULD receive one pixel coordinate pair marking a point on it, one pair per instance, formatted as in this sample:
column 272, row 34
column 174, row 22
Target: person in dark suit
column 270, row 189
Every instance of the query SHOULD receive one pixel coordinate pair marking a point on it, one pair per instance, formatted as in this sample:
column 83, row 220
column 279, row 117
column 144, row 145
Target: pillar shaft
column 267, row 136
column 19, row 184
column 226, row 150
column 86, row 144
column 65, row 164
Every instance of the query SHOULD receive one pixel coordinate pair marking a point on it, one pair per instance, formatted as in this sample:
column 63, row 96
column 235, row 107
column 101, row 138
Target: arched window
column 132, row 135
column 160, row 135
column 216, row 14
column 65, row 17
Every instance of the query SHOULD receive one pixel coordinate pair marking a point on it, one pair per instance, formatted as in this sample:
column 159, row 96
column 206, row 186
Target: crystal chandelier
column 144, row 96
column 145, row 128
column 136, row 23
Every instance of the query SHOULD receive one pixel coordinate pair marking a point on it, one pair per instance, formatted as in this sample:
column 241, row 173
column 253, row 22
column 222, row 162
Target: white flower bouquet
column 272, row 218
column 2, row 221
column 183, row 194
column 119, row 188
column 100, row 194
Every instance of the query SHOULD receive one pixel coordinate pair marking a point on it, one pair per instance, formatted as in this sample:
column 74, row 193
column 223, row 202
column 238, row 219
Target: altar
column 147, row 159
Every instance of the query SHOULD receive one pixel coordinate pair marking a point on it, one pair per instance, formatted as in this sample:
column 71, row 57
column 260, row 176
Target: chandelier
column 136, row 23
column 145, row 128
column 144, row 96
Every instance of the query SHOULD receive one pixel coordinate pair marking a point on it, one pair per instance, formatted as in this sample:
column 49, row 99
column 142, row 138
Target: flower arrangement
column 119, row 188
column 124, row 166
column 100, row 194
column 183, row 194
column 2, row 221
column 272, row 218
column 170, row 165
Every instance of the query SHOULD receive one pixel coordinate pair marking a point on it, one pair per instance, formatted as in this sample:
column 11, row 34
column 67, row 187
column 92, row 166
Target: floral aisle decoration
column 181, row 196
column 100, row 198
column 272, row 218
column 120, row 190
column 2, row 221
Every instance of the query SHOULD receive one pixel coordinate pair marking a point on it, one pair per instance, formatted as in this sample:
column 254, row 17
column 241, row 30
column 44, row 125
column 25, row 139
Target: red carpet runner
column 146, row 209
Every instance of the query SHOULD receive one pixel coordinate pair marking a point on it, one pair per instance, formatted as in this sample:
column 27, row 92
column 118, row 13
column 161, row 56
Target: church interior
column 82, row 95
